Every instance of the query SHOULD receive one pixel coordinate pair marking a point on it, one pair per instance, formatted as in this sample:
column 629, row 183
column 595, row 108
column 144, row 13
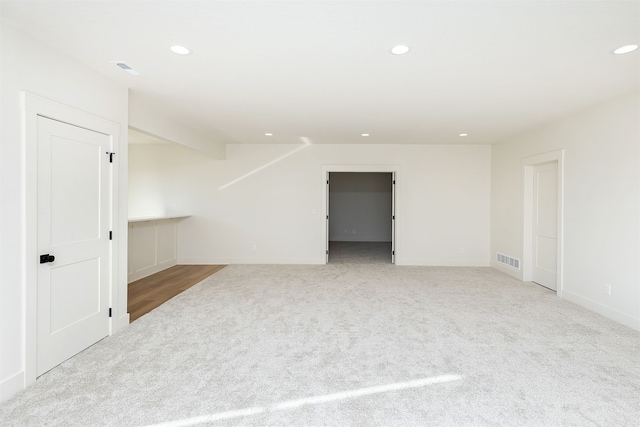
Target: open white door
column 393, row 218
column 327, row 221
column 545, row 220
column 73, row 241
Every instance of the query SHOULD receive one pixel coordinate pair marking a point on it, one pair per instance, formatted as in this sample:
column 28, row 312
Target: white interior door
column 327, row 222
column 73, row 228
column 393, row 218
column 545, row 225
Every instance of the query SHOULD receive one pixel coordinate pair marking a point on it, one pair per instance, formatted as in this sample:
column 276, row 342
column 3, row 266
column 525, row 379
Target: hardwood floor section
column 152, row 291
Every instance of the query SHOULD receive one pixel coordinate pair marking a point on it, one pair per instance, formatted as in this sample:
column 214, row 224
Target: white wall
column 28, row 65
column 153, row 191
column 264, row 204
column 601, row 204
column 146, row 181
column 360, row 207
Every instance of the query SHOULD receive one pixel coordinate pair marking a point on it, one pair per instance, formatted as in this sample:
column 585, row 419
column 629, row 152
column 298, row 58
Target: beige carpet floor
column 349, row 345
column 359, row 252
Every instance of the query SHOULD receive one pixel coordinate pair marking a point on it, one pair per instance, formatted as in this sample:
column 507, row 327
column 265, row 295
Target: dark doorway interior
column 360, row 217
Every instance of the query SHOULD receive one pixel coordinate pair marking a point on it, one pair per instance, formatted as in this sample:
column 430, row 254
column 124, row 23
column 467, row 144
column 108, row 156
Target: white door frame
column 34, row 106
column 393, row 218
column 529, row 163
column 327, row 191
column 393, row 169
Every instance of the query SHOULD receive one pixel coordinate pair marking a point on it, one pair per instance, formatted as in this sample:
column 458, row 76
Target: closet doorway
column 360, row 217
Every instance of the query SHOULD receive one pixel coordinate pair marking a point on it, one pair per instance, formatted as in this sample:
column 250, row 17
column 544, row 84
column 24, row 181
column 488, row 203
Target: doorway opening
column 360, row 217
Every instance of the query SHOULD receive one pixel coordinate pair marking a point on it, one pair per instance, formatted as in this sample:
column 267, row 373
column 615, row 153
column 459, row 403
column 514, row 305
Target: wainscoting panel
column 152, row 247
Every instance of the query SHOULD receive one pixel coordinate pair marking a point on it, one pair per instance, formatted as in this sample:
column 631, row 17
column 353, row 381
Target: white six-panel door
column 545, row 225
column 73, row 227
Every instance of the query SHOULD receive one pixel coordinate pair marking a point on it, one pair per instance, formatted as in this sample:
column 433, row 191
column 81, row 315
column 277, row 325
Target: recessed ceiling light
column 365, row 134
column 625, row 49
column 180, row 50
column 464, row 134
column 400, row 49
column 268, row 134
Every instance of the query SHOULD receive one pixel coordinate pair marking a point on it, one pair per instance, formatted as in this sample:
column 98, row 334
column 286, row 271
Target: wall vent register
column 508, row 261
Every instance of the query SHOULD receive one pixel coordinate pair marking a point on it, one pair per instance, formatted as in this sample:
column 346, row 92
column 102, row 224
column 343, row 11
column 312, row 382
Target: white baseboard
column 229, row 261
column 604, row 310
column 141, row 274
column 11, row 385
column 321, row 260
column 123, row 322
column 427, row 262
column 507, row 270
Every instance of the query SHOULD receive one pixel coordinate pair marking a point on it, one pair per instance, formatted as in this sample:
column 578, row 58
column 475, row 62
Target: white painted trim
column 11, row 385
column 503, row 269
column 437, row 262
column 123, row 321
column 393, row 219
column 528, row 164
column 604, row 310
column 244, row 260
column 34, row 106
column 30, row 126
column 359, row 168
column 62, row 113
column 321, row 260
column 156, row 218
column 326, row 208
column 394, row 169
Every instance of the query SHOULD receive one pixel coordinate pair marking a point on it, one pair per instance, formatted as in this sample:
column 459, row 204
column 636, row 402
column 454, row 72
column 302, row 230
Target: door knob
column 46, row 258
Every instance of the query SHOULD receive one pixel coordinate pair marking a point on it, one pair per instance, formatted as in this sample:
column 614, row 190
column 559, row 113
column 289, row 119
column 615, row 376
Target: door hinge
column 111, row 156
column 393, row 252
column 110, row 312
column 327, row 216
column 394, row 182
column 110, row 235
column 393, row 217
column 327, row 182
column 327, row 252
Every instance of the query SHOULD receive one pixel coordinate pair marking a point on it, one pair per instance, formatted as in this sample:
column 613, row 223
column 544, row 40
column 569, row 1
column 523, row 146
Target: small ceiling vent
column 125, row 67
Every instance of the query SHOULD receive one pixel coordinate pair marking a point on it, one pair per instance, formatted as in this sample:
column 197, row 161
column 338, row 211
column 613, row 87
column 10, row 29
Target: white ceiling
column 322, row 69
